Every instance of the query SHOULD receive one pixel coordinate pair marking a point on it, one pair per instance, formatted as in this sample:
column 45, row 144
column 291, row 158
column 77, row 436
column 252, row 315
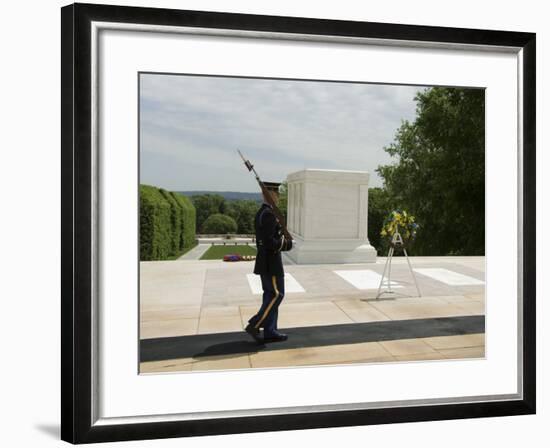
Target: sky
column 192, row 126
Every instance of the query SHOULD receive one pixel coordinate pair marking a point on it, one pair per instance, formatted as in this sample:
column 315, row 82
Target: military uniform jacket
column 270, row 242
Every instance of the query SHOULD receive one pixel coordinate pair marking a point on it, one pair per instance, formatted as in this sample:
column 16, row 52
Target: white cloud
column 191, row 127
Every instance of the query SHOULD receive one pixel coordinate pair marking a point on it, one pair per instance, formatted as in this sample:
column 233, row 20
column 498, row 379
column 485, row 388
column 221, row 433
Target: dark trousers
column 274, row 291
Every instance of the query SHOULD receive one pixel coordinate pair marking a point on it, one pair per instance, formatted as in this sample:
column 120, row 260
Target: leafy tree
column 243, row 212
column 218, row 223
column 206, row 205
column 283, row 199
column 440, row 174
column 378, row 210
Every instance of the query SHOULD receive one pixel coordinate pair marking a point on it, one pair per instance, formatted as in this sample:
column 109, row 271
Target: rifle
column 268, row 198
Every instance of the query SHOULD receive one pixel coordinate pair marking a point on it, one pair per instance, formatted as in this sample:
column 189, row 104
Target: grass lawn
column 217, row 252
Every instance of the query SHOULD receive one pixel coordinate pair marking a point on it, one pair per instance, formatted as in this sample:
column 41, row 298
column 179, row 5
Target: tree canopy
column 218, row 223
column 440, row 173
column 283, row 199
column 378, row 210
column 243, row 212
column 206, row 205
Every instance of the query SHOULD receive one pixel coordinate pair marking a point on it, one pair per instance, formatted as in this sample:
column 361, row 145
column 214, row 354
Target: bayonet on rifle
column 268, row 197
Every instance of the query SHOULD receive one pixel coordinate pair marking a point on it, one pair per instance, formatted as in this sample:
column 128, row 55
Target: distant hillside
column 228, row 195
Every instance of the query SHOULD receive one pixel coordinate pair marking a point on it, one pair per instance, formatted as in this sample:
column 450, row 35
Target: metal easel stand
column 396, row 239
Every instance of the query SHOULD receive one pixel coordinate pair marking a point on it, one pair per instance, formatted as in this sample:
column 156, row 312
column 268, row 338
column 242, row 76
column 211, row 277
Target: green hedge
column 167, row 223
column 188, row 220
column 155, row 224
column 175, row 220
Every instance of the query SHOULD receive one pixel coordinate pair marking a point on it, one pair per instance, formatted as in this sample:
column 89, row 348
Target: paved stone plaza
column 193, row 314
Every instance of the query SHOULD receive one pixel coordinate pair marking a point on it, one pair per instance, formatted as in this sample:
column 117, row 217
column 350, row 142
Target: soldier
column 270, row 242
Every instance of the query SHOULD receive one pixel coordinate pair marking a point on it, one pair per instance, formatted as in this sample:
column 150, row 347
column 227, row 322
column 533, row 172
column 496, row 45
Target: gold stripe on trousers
column 266, row 312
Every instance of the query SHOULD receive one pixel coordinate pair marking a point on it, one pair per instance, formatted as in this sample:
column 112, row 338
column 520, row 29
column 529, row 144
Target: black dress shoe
column 254, row 332
column 275, row 337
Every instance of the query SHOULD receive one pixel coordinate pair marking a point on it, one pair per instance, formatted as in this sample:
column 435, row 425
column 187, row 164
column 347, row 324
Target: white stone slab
column 449, row 277
column 365, row 279
column 291, row 284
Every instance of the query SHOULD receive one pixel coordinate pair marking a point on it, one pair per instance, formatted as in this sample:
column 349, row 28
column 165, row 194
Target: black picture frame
column 77, row 421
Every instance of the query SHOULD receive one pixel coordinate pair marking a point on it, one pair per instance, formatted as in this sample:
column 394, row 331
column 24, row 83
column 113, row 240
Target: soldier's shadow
column 230, row 348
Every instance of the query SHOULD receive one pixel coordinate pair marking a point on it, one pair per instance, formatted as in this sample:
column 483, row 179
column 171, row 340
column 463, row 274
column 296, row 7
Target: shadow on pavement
column 217, row 344
column 230, row 348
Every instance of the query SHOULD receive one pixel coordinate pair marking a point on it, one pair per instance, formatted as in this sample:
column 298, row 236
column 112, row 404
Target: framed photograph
column 276, row 223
